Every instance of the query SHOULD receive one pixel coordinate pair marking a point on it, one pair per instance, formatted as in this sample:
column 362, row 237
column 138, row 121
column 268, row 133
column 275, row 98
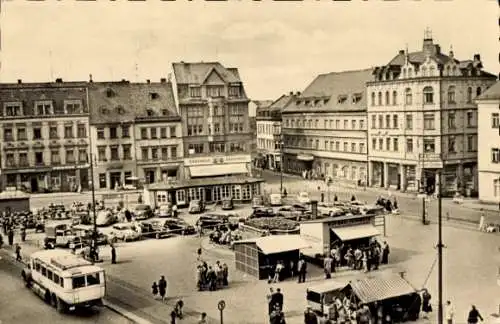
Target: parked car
column 276, row 200
column 329, row 209
column 290, row 212
column 105, row 218
column 142, row 212
column 212, row 221
column 227, row 204
column 262, row 212
column 257, row 201
column 196, row 206
column 124, row 232
column 303, row 198
column 164, row 211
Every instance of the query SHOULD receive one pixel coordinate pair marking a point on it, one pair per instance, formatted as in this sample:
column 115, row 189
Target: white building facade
column 489, row 145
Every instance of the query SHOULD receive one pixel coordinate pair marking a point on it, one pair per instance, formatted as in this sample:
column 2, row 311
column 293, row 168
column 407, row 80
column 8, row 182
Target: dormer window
column 234, row 91
column 316, row 102
column 356, row 98
column 72, row 107
column 164, row 112
column 150, row 112
column 342, row 99
column 104, row 110
column 110, row 93
column 153, row 95
column 195, row 92
column 325, row 101
column 12, row 109
column 298, row 102
column 43, row 108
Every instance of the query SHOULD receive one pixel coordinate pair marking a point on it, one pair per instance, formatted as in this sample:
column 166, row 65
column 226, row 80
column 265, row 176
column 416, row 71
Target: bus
column 64, row 280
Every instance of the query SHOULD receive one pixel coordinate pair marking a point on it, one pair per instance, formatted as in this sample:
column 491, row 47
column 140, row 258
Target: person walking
column 302, row 267
column 449, row 312
column 426, row 303
column 474, row 316
column 154, row 289
column 203, row 319
column 278, row 299
column 327, row 266
column 385, row 253
column 309, row 316
column 162, row 287
column 18, row 253
column 10, row 236
column 113, row 254
column 269, row 298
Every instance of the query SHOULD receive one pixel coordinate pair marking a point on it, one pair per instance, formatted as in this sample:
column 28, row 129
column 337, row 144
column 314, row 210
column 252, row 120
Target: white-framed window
column 255, row 189
column 245, row 192
column 194, row 193
column 161, row 197
column 429, row 121
column 496, row 188
column 428, row 95
column 180, row 196
column 236, row 192
column 226, row 192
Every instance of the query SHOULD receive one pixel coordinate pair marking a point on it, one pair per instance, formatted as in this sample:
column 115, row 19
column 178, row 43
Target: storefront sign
column 221, row 159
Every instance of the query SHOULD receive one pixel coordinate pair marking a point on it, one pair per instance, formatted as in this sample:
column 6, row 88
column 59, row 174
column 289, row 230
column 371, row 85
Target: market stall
column 14, row 201
column 259, row 256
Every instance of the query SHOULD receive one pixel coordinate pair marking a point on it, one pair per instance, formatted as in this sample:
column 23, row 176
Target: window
column 373, row 98
column 337, row 146
column 217, row 147
column 50, row 274
column 113, row 133
column 10, row 160
column 495, row 120
column 37, row 133
column 154, row 153
column 114, row 153
column 451, row 144
column 164, row 153
column 195, row 92
column 102, row 180
column 409, row 145
column 43, row 108
column 387, row 121
column 408, row 96
column 361, row 147
column 144, row 133
column 54, row 157
column 451, row 95
column 53, row 132
column 478, row 91
column 101, row 153
column 125, row 131
column 429, row 122
column 144, row 154
column 234, row 91
column 353, row 124
column 471, row 143
column 173, row 152
column 496, row 188
column 428, row 95
column 44, row 271
column 56, row 278
column 13, row 109
column 197, row 148
column 374, row 119
column 345, row 124
column 163, row 132
column 100, row 133
column 70, row 156
column 173, row 131
column 195, row 121
column 68, row 131
column 39, row 158
column 387, row 98
column 469, row 95
column 149, row 112
column 380, row 98
column 451, row 120
column 381, row 144
column 81, row 131
column 127, row 152
column 395, row 144
column 380, row 121
column 394, row 98
column 429, row 146
column 495, row 155
column 8, row 135
column 374, row 143
column 23, row 159
column 21, row 134
column 388, row 144
column 353, row 147
column 72, row 107
column 395, row 121
column 152, row 131
column 215, row 91
column 337, row 124
column 82, row 155
column 345, row 146
column 78, row 282
column 361, row 124
column 470, row 119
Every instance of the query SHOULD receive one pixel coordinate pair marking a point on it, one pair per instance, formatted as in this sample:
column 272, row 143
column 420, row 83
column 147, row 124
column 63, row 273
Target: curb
column 124, row 313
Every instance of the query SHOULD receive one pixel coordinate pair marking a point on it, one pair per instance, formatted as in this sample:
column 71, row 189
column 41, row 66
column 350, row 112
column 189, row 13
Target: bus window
column 49, row 274
column 44, row 271
column 93, row 279
column 38, row 267
column 78, row 282
column 61, row 282
column 313, row 296
column 56, row 278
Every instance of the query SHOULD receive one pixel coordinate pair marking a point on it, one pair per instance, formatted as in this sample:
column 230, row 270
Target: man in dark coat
column 385, row 253
column 113, row 254
column 128, row 216
column 310, row 317
column 277, row 299
column 302, row 269
column 11, row 237
column 162, row 287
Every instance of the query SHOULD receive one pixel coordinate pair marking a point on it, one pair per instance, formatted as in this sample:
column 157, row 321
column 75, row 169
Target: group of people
column 275, row 300
column 211, row 277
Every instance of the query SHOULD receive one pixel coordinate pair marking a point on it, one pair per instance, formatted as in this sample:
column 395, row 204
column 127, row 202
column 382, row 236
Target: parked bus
column 64, row 280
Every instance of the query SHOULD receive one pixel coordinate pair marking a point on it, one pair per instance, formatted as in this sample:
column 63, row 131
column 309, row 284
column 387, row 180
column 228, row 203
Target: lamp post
column 281, row 164
column 440, row 252
column 93, row 246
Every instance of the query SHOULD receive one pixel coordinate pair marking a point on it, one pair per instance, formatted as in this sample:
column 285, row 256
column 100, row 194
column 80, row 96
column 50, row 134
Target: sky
column 277, row 46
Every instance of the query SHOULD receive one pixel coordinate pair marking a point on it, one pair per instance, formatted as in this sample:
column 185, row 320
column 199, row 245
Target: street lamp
column 281, row 164
column 93, row 245
column 440, row 252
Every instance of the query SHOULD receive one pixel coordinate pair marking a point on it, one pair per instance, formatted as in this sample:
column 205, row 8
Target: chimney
column 477, row 58
column 90, row 78
column 291, row 93
column 298, row 93
column 19, row 81
column 124, row 81
column 163, row 80
column 401, row 52
column 59, row 80
column 148, row 81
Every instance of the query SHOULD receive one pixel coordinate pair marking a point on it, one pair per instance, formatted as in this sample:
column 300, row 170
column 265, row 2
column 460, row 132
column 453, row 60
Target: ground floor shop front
column 209, row 190
column 268, row 160
column 409, row 177
column 338, row 170
column 114, row 176
column 54, row 179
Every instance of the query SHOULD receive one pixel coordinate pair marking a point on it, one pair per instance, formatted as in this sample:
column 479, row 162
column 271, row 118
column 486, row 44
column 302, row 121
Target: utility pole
column 281, row 165
column 440, row 252
column 93, row 249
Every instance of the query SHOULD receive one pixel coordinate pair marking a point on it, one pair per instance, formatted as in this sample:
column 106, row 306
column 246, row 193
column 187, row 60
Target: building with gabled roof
column 423, row 119
column 488, row 152
column 324, row 128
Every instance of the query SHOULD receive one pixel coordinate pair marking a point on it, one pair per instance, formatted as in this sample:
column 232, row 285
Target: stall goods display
column 272, row 223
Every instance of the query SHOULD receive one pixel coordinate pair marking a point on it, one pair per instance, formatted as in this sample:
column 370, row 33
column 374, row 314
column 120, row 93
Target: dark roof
column 202, row 182
column 197, row 73
column 493, row 93
column 336, row 91
column 124, row 102
column 262, row 104
column 282, row 102
column 419, row 58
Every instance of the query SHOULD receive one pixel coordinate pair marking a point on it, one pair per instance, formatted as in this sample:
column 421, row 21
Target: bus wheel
column 60, row 305
column 47, row 297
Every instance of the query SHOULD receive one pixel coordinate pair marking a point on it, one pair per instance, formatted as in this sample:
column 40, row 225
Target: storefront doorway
column 115, row 179
column 34, row 183
column 150, row 176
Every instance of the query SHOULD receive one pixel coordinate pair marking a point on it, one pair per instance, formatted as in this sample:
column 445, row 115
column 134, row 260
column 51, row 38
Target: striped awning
column 380, row 287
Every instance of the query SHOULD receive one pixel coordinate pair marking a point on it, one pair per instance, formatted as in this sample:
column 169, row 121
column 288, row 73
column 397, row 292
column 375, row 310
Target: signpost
column 221, row 305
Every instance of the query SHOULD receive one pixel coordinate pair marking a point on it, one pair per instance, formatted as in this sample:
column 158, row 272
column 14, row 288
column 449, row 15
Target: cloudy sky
column 278, row 46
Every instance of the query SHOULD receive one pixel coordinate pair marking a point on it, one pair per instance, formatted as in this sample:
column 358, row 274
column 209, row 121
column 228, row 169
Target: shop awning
column 305, row 157
column 349, row 233
column 218, row 170
column 380, row 287
column 277, row 243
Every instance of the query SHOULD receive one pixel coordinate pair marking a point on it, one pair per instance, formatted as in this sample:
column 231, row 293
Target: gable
column 213, row 78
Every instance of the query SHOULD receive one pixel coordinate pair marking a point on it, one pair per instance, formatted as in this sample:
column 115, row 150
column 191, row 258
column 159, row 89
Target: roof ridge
column 346, row 71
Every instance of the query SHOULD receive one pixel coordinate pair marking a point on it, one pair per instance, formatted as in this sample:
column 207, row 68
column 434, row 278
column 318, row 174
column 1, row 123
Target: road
column 19, row 305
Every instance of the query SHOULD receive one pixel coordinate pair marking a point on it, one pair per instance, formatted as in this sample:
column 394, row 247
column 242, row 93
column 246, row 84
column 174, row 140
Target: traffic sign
column 221, row 305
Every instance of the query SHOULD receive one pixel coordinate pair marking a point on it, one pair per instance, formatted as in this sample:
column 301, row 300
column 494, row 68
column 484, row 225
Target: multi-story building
column 44, row 135
column 158, row 133
column 489, row 144
column 325, row 128
column 253, row 106
column 268, row 122
column 214, row 109
column 422, row 119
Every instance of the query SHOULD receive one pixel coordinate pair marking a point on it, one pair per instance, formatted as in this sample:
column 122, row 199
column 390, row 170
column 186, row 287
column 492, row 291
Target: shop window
column 236, row 192
column 102, row 180
column 226, row 192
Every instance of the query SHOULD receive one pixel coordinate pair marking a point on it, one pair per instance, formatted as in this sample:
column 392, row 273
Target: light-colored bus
column 65, row 280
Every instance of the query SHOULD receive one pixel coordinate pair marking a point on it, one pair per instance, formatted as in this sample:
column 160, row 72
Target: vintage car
column 275, row 199
column 303, row 198
column 262, row 212
column 196, row 206
column 164, row 210
column 212, row 221
column 227, row 204
column 124, row 232
column 105, row 218
column 142, row 211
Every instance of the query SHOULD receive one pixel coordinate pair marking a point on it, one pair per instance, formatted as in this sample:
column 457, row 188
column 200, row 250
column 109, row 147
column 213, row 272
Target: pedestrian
column 173, row 317
column 327, row 266
column 449, row 312
column 269, row 298
column 426, row 303
column 385, row 253
column 324, row 319
column 335, row 198
column 203, row 319
column 174, row 210
column 178, row 308
column 322, row 197
column 353, row 198
column 11, row 236
column 225, row 274
column 474, row 316
column 154, row 289
column 309, row 316
column 277, row 316
column 113, row 254
column 162, row 287
column 292, row 269
column 18, row 253
column 285, row 193
column 1, row 241
column 277, row 272
column 302, row 269
column 278, row 299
